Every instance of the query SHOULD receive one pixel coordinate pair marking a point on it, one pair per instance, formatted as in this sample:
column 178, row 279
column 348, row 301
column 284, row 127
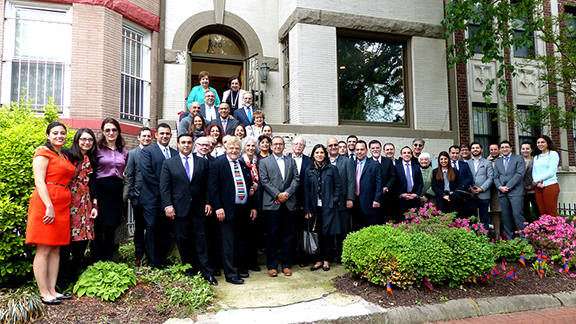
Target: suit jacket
column 240, row 115
column 330, row 187
column 513, row 178
column 134, row 175
column 438, row 186
column 483, row 177
column 388, row 177
column 151, row 160
column 203, row 112
column 347, row 173
column 230, row 125
column 222, row 189
column 273, row 184
column 465, row 174
column 306, row 161
column 181, row 193
column 402, row 184
column 370, row 186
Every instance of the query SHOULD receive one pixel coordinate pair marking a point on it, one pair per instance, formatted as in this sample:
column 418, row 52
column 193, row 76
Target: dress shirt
column 476, row 164
column 455, row 165
column 163, row 149
column 333, row 161
column 190, row 163
column 111, row 163
column 408, row 179
column 249, row 113
column 362, row 164
column 446, row 181
column 298, row 160
column 210, row 113
column 280, row 161
column 237, row 200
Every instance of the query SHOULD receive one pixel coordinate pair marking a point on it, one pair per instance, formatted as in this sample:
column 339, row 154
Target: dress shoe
column 255, row 269
column 316, row 267
column 287, row 271
column 217, row 273
column 212, row 281
column 236, row 281
column 138, row 262
column 273, row 273
column 54, row 301
column 325, row 268
column 244, row 274
column 303, row 264
column 64, row 297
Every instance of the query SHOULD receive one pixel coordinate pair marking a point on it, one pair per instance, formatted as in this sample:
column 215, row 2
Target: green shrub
column 512, row 250
column 426, row 256
column 107, row 280
column 20, row 306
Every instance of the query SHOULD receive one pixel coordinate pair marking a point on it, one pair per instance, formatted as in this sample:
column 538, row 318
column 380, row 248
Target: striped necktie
column 241, row 190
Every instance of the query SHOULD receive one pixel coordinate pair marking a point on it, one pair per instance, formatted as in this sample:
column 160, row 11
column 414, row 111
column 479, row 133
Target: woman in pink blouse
column 111, row 161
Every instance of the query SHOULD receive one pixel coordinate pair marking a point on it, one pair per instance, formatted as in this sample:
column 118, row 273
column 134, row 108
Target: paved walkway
column 566, row 315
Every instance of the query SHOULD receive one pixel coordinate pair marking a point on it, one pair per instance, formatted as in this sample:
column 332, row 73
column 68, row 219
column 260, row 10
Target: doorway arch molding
column 193, row 24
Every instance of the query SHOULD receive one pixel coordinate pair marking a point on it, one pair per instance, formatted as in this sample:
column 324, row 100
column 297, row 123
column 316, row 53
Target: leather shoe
column 64, row 297
column 138, row 262
column 315, row 267
column 244, row 274
column 287, row 271
column 236, row 281
column 326, row 268
column 217, row 273
column 255, row 269
column 54, row 301
column 273, row 273
column 303, row 264
column 212, row 280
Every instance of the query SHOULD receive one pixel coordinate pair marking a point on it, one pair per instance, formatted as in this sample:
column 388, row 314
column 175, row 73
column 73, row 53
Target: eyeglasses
column 333, row 145
column 277, row 144
column 110, row 130
column 210, row 96
column 298, row 144
column 418, row 145
column 89, row 140
column 202, row 144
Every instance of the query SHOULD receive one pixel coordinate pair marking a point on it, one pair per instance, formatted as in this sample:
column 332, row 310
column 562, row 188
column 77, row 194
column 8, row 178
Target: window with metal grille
column 485, row 126
column 37, row 54
column 135, row 96
column 527, row 131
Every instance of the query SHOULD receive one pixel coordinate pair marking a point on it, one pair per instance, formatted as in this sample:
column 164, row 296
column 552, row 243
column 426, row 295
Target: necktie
column 187, row 168
column 358, row 174
column 454, row 165
column 249, row 114
column 224, row 125
column 166, row 153
column 408, row 178
column 506, row 160
column 239, row 182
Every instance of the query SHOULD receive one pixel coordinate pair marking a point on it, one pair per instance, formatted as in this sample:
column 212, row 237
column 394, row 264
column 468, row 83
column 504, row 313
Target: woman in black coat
column 321, row 197
column 445, row 180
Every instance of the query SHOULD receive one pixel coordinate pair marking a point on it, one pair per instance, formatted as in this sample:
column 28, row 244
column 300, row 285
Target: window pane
column 485, row 127
column 135, row 85
column 216, row 44
column 371, row 82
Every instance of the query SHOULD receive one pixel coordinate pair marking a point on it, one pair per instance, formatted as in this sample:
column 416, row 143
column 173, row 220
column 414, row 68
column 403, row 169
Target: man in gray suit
column 135, row 180
column 279, row 178
column 483, row 175
column 509, row 180
column 346, row 170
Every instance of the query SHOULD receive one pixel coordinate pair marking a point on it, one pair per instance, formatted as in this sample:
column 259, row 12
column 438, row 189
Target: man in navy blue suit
column 366, row 210
column 410, row 182
column 466, row 176
column 244, row 113
column 157, row 225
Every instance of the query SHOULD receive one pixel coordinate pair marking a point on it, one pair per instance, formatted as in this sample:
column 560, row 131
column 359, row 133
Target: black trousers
column 184, row 237
column 234, row 242
column 201, row 244
column 71, row 257
column 103, row 247
column 157, row 235
column 327, row 242
column 280, row 230
column 139, row 227
column 360, row 219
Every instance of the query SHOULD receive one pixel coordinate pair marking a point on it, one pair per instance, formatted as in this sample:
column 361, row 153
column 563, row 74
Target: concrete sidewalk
column 309, row 297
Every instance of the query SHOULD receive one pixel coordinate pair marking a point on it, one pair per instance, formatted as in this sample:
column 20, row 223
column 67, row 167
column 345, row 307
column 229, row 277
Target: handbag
column 308, row 241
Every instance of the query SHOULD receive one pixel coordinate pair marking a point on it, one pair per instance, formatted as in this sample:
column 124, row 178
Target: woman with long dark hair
column 197, row 127
column 83, row 210
column 445, row 180
column 527, row 151
column 48, row 224
column 321, row 197
column 218, row 134
column 111, row 160
column 544, row 176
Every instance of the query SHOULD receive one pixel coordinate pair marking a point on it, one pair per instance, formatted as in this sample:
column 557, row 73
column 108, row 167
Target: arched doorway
column 222, row 52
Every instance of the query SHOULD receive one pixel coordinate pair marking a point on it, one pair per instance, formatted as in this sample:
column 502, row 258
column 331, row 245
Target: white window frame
column 8, row 56
column 145, row 61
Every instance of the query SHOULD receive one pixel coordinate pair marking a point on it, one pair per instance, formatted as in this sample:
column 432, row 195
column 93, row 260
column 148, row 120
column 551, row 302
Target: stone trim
column 359, row 22
column 207, row 18
column 374, row 131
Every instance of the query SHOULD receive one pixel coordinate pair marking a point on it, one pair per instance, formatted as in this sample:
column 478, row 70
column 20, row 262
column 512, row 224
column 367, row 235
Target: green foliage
column 107, row 280
column 126, row 254
column 191, row 294
column 545, row 266
column 20, row 306
column 512, row 250
column 426, row 256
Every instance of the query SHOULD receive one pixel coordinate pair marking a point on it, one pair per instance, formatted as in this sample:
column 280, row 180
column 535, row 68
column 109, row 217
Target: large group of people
column 231, row 188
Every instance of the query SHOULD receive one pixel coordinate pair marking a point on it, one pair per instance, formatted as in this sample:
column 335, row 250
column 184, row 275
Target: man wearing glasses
column 417, row 148
column 209, row 110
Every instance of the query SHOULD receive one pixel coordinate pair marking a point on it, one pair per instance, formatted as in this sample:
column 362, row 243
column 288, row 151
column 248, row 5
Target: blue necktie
column 166, row 153
column 408, row 178
column 249, row 114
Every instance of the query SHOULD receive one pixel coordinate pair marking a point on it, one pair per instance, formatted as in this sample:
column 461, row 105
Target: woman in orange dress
column 48, row 223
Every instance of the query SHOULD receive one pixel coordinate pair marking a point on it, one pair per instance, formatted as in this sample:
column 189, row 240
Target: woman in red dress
column 48, row 223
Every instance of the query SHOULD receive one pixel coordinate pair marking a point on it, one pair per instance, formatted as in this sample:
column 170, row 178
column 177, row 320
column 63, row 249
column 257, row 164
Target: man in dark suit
column 347, row 194
column 368, row 189
column 233, row 199
column 410, row 182
column 466, row 177
column 183, row 185
column 209, row 110
column 244, row 114
column 417, row 148
column 351, row 144
column 224, row 120
column 135, row 181
column 279, row 180
column 157, row 225
column 509, row 180
column 390, row 152
column 388, row 181
column 302, row 162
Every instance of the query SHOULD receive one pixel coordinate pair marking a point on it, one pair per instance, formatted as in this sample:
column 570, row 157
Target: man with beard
column 483, row 174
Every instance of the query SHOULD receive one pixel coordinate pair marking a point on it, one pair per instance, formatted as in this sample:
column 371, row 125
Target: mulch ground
column 528, row 282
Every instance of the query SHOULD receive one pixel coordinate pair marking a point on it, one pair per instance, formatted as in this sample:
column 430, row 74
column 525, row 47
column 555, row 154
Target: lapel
column 286, row 167
column 366, row 163
column 228, row 171
column 180, row 166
